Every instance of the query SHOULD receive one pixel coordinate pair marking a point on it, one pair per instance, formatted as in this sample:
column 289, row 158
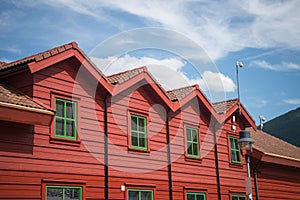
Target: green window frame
column 65, row 120
column 195, row 196
column 138, row 132
column 238, row 197
column 63, row 193
column 235, row 152
column 137, row 194
column 192, row 142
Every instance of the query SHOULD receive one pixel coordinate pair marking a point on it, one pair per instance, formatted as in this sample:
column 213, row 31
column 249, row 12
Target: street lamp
column 245, row 143
column 237, row 65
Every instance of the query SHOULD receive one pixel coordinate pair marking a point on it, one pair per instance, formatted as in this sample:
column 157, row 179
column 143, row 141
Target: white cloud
column 292, row 101
column 168, row 72
column 219, row 27
column 283, row 66
column 218, row 82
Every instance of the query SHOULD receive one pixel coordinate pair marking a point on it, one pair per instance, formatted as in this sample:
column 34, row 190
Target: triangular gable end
column 247, row 119
column 196, row 92
column 141, row 74
column 58, row 54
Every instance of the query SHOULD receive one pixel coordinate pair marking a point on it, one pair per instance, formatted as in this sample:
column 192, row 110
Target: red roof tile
column 11, row 96
column 46, row 54
column 180, row 93
column 39, row 56
column 269, row 144
column 223, row 106
column 125, row 76
column 2, row 63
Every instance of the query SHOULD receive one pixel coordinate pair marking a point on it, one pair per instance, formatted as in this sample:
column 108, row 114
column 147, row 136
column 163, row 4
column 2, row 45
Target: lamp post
column 245, row 141
column 237, row 65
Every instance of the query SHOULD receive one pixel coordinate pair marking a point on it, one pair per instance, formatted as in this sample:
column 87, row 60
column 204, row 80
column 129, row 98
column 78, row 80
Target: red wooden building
column 67, row 131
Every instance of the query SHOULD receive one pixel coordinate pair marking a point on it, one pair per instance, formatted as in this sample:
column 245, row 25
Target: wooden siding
column 278, row 182
column 30, row 157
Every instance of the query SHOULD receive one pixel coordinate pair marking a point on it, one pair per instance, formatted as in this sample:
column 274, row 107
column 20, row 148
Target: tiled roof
column 10, row 96
column 269, row 144
column 46, row 54
column 223, row 106
column 2, row 63
column 39, row 56
column 124, row 76
column 180, row 93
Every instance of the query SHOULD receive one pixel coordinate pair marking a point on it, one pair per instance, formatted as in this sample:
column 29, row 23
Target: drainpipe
column 169, row 157
column 106, row 147
column 255, row 180
column 217, row 161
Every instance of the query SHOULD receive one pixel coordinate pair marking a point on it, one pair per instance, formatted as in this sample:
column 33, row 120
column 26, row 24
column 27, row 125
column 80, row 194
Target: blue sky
column 194, row 41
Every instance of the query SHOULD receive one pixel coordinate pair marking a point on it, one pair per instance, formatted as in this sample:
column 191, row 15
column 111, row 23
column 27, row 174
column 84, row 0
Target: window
column 134, row 194
column 138, row 132
column 63, row 193
column 235, row 152
column 238, row 197
column 195, row 196
column 65, row 119
column 192, row 142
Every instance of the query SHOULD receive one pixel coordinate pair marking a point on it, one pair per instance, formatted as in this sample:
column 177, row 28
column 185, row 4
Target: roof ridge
column 41, row 55
column 124, row 72
column 228, row 100
column 181, row 88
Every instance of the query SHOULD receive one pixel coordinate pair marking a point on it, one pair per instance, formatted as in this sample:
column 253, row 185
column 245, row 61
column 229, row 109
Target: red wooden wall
column 31, row 158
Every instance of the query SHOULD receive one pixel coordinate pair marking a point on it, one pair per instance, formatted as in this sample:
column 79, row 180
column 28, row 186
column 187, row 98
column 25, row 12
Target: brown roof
column 223, row 106
column 180, row 93
column 10, row 96
column 39, row 56
column 125, row 76
column 271, row 145
column 46, row 54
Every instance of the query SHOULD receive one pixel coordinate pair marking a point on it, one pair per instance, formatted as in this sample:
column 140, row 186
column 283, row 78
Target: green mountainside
column 285, row 127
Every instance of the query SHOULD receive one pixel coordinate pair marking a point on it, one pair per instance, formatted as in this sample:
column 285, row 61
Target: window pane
column 189, row 149
column 134, row 139
column 146, row 195
column 70, row 110
column 232, row 143
column 190, row 197
column 195, row 136
column 233, row 156
column 54, row 194
column 141, row 124
column 188, row 131
column 133, row 195
column 59, row 127
column 70, row 128
column 235, row 198
column 133, row 123
column 188, row 135
column 195, row 150
column 238, row 158
column 200, row 197
column 236, row 144
column 72, row 194
column 142, row 140
column 59, row 108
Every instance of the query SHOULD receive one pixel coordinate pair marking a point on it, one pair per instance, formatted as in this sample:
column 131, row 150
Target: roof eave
column 26, row 115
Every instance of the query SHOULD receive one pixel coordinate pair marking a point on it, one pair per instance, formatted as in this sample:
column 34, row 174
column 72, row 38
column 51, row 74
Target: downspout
column 217, row 161
column 106, row 147
column 169, row 157
column 255, row 180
